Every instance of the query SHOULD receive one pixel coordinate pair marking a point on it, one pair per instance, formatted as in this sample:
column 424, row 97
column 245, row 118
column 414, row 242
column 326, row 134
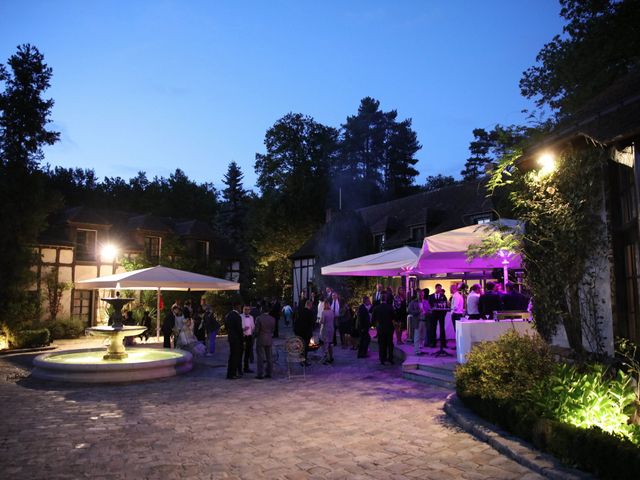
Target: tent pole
column 505, row 273
column 406, row 296
column 158, row 317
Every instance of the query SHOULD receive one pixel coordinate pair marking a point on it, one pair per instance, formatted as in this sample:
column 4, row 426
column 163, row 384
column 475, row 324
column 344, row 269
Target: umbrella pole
column 158, row 317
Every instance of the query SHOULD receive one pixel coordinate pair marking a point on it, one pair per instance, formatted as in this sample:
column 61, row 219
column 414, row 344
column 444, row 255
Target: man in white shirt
column 248, row 327
column 457, row 305
column 473, row 302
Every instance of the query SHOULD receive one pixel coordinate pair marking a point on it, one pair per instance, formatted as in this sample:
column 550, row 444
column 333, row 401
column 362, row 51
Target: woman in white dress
column 185, row 339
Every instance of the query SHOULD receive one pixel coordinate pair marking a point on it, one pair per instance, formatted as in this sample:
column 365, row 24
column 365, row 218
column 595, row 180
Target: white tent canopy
column 447, row 252
column 382, row 264
column 158, row 278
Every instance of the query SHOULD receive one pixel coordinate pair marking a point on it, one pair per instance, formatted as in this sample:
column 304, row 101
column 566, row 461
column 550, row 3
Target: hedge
column 592, row 450
column 31, row 338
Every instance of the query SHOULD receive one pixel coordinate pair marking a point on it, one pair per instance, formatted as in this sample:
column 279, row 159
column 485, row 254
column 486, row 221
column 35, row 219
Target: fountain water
column 93, row 366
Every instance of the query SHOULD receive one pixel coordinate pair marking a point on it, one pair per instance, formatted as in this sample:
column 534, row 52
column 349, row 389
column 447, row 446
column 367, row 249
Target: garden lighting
column 547, row 162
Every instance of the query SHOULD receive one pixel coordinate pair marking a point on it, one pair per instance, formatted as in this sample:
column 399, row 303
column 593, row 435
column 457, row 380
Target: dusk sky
column 160, row 85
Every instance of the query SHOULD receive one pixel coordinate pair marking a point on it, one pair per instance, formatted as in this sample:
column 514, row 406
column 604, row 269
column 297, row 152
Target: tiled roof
column 121, row 224
column 439, row 210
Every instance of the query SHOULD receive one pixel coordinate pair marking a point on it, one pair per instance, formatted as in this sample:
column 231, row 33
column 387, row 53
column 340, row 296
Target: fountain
column 117, row 365
column 116, row 331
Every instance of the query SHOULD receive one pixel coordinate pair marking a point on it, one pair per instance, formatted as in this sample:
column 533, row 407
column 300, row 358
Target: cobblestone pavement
column 354, row 419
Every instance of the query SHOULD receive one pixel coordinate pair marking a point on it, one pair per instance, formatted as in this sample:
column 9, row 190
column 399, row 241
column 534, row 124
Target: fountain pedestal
column 116, row 331
column 116, row 350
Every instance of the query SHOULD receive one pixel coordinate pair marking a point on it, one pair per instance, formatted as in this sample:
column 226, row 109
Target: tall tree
column 24, row 117
column 376, row 155
column 599, row 44
column 294, row 171
column 435, row 182
column 488, row 147
column 233, row 212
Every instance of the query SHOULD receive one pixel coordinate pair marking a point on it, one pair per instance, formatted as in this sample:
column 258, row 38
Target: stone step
column 441, row 368
column 431, row 378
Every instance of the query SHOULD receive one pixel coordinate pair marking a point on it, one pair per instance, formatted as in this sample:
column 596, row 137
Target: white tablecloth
column 469, row 332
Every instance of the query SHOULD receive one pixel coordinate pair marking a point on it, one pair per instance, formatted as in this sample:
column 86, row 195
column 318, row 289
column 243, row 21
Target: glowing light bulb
column 547, row 162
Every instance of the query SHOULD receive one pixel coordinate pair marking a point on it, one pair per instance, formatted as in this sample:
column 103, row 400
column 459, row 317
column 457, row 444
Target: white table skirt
column 469, row 332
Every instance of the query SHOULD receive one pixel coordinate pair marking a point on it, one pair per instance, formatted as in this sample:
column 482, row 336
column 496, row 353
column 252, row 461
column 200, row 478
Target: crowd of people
column 251, row 328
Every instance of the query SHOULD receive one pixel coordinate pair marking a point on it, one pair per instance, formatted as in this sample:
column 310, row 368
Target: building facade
column 83, row 243
column 389, row 225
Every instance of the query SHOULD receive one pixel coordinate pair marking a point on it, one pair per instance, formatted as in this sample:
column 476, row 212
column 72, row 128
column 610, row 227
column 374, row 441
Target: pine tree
column 234, row 209
column 377, row 156
column 24, row 116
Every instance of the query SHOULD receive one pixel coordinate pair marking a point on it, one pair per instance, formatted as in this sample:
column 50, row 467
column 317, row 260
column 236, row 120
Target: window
column 152, row 248
column 86, row 244
column 378, row 242
column 482, row 219
column 233, row 271
column 417, row 235
column 82, row 305
column 202, row 251
column 302, row 277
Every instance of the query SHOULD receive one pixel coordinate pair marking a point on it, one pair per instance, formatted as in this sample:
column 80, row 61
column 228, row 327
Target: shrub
column 31, row 338
column 592, row 449
column 591, row 397
column 68, row 327
column 504, row 370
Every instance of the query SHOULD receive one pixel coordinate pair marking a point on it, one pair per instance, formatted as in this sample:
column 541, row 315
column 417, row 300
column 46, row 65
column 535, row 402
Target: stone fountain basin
column 88, row 365
column 109, row 331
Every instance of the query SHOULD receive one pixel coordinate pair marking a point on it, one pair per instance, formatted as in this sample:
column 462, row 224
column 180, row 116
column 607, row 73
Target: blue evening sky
column 166, row 84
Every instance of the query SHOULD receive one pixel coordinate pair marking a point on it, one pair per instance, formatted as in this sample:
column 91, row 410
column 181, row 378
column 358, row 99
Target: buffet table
column 469, row 332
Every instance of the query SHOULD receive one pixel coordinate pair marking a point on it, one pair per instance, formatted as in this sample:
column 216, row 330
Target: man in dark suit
column 304, row 326
column 489, row 301
column 383, row 318
column 265, row 325
column 364, row 324
column 168, row 324
column 235, row 335
column 514, row 300
column 438, row 304
column 376, row 298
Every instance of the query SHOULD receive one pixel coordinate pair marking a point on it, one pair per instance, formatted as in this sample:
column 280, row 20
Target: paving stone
column 353, row 420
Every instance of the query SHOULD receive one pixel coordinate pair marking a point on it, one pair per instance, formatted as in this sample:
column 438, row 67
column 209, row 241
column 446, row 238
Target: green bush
column 504, row 370
column 31, row 338
column 589, row 397
column 68, row 327
column 590, row 449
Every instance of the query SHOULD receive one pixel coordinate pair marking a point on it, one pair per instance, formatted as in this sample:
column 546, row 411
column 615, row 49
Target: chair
column 294, row 350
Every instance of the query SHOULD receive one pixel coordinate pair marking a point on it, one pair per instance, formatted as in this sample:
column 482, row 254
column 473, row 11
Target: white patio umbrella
column 447, row 252
column 158, row 278
column 389, row 263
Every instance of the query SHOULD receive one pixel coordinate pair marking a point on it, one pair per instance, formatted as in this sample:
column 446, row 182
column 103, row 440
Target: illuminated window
column 82, row 306
column 86, row 244
column 482, row 219
column 233, row 271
